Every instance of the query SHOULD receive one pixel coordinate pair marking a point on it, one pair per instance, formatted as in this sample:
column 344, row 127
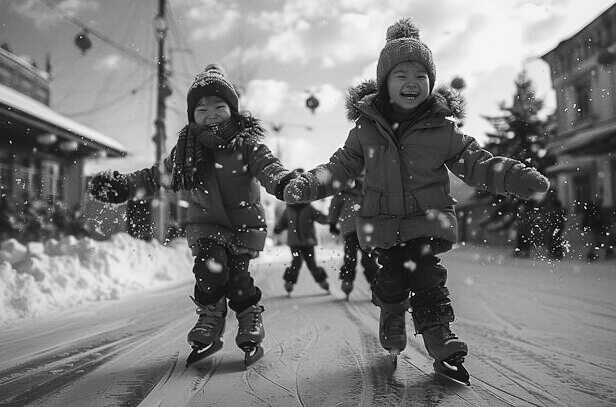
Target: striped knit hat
column 403, row 45
column 211, row 82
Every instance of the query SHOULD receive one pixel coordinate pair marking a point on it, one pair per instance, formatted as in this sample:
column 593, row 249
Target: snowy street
column 539, row 335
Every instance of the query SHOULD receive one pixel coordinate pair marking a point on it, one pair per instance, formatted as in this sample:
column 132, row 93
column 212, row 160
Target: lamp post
column 160, row 27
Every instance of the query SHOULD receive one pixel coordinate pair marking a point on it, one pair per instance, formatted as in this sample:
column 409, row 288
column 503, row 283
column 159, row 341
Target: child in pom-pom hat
column 219, row 160
column 405, row 139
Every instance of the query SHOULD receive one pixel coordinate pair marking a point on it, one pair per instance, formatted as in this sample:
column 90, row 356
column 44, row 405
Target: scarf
column 194, row 151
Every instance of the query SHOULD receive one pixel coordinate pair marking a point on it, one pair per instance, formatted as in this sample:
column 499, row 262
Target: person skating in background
column 404, row 138
column 298, row 220
column 342, row 211
column 220, row 160
column 595, row 225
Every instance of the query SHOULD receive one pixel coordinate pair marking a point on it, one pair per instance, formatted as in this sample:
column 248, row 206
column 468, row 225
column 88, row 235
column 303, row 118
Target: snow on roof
column 18, row 101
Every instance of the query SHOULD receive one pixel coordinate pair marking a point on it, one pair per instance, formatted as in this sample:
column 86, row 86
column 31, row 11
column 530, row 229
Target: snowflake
column 213, row 266
column 356, row 207
column 410, row 265
column 368, row 228
column 218, row 165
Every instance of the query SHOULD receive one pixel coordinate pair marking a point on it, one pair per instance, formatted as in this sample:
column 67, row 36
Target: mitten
column 333, row 229
column 282, row 183
column 297, row 190
column 109, row 187
column 524, row 182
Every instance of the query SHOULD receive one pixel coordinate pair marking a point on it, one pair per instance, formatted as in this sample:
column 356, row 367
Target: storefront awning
column 22, row 108
column 596, row 140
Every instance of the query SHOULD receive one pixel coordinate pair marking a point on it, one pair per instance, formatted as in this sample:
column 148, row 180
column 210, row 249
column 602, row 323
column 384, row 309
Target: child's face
column 211, row 110
column 408, row 85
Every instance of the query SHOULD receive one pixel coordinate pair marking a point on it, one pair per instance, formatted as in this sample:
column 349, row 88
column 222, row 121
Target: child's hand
column 109, row 187
column 524, row 182
column 333, row 229
column 297, row 190
column 282, row 184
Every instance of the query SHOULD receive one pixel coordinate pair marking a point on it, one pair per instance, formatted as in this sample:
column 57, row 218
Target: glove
column 333, row 229
column 109, row 187
column 524, row 182
column 297, row 190
column 279, row 190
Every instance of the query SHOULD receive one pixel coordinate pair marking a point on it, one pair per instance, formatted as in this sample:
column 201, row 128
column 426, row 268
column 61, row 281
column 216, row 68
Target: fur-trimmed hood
column 252, row 131
column 446, row 101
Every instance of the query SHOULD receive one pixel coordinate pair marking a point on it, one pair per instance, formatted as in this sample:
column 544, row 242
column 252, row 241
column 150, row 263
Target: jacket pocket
column 370, row 205
column 433, row 196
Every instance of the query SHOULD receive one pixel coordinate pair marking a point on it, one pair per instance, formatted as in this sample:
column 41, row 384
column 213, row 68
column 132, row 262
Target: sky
column 278, row 52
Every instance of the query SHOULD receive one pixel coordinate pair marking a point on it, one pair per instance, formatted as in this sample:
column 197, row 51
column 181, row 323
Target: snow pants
column 307, row 254
column 368, row 260
column 412, row 268
column 220, row 273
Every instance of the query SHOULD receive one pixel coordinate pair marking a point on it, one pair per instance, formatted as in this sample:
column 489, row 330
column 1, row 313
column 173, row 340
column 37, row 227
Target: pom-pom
column 403, row 28
column 215, row 69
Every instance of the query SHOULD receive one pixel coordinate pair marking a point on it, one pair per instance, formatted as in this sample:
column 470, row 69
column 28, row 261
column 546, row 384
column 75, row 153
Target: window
column 583, row 98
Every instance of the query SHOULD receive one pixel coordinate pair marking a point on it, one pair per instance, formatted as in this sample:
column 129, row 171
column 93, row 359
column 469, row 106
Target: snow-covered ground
column 43, row 277
column 104, row 323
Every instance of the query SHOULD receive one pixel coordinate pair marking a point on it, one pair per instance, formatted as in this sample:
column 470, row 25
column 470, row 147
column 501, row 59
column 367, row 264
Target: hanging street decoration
column 83, row 42
column 312, row 103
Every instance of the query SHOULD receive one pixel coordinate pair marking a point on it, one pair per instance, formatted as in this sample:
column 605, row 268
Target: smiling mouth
column 412, row 95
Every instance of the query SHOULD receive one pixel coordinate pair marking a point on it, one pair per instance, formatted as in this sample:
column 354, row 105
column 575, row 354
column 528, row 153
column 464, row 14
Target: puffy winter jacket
column 343, row 208
column 406, row 187
column 227, row 207
column 299, row 221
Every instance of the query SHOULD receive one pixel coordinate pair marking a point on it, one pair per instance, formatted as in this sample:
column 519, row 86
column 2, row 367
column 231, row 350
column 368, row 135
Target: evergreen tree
column 521, row 134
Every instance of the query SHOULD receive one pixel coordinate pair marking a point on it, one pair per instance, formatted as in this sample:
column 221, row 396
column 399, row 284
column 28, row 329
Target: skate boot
column 288, row 286
column 432, row 322
column 347, row 287
column 205, row 337
column 324, row 285
column 250, row 333
column 392, row 326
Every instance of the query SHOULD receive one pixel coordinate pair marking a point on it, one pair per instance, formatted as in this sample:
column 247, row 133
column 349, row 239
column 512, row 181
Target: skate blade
column 393, row 357
column 456, row 373
column 199, row 352
column 253, row 352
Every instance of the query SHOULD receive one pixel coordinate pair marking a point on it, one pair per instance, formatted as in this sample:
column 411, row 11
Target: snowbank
column 42, row 277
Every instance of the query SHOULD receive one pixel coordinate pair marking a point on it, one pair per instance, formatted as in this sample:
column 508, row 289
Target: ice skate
column 448, row 352
column 392, row 327
column 324, row 285
column 432, row 322
column 205, row 337
column 250, row 333
column 347, row 287
column 288, row 286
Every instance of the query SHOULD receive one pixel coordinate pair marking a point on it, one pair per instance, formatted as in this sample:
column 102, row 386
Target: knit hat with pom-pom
column 404, row 45
column 211, row 82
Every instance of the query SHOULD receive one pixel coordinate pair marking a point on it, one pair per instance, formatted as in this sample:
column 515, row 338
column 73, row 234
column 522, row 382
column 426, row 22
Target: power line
column 111, row 102
column 138, row 57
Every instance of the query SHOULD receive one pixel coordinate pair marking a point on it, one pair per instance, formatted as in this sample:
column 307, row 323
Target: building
column 42, row 152
column 583, row 73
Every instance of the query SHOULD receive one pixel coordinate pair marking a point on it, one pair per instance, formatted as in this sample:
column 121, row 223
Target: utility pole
column 160, row 26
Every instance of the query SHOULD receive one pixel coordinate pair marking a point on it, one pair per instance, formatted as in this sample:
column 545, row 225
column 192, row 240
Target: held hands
column 524, row 182
column 109, row 187
column 297, row 190
column 333, row 229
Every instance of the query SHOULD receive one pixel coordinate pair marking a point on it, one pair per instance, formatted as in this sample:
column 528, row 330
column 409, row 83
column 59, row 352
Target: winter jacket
column 343, row 208
column 405, row 194
column 299, row 220
column 226, row 207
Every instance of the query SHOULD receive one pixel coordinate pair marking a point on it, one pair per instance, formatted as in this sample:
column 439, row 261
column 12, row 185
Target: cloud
column 212, row 19
column 265, row 97
column 44, row 16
